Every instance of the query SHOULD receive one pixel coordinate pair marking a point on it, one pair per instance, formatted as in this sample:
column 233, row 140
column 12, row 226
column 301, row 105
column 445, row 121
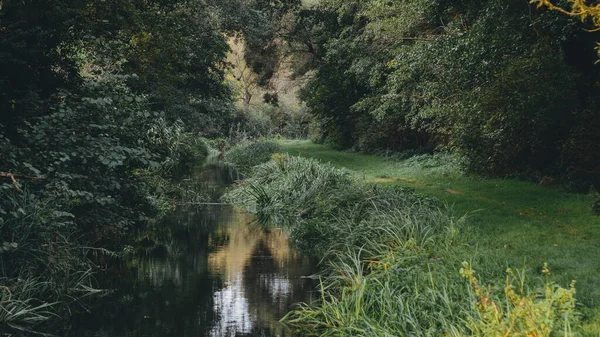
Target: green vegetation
column 105, row 105
column 393, row 258
column 269, row 121
column 522, row 223
column 578, row 9
column 510, row 87
column 92, row 142
column 245, row 156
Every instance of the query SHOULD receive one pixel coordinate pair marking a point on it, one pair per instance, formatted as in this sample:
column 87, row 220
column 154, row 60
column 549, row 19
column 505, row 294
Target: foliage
column 510, row 219
column 524, row 313
column 580, row 9
column 506, row 86
column 178, row 57
column 268, row 121
column 317, row 201
column 20, row 311
column 245, row 156
column 104, row 106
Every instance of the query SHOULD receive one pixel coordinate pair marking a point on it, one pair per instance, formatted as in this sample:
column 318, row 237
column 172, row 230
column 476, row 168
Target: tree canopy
column 510, row 86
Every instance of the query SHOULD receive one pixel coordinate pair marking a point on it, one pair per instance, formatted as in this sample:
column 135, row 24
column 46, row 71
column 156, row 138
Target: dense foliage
column 510, row 86
column 104, row 103
column 101, row 104
column 245, row 156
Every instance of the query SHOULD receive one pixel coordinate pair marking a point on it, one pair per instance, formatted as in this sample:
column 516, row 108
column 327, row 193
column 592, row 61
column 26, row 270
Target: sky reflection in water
column 219, row 275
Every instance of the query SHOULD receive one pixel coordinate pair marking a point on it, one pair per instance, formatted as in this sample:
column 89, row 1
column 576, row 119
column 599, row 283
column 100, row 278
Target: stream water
column 219, row 274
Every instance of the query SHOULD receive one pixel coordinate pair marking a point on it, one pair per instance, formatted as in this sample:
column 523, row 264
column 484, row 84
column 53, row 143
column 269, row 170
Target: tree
column 241, row 75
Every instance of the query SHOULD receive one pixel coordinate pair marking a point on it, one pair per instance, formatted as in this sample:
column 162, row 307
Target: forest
column 360, row 126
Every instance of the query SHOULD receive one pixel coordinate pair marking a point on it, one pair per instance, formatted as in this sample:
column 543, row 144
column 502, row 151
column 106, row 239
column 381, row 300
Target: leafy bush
column 520, row 117
column 103, row 107
column 245, row 156
column 548, row 311
column 86, row 178
column 268, row 121
column 181, row 148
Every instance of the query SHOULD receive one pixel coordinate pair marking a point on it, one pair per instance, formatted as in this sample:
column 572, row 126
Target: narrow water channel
column 219, row 274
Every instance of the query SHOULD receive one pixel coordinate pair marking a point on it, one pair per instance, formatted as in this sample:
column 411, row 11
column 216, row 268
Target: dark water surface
column 219, row 274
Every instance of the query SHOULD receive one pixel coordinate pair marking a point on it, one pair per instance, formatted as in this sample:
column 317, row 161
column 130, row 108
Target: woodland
column 105, row 105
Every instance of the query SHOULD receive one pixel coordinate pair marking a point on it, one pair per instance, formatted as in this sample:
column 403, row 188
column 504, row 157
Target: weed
column 518, row 223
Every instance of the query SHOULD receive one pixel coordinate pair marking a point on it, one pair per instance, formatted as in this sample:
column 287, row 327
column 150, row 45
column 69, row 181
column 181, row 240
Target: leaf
column 32, row 169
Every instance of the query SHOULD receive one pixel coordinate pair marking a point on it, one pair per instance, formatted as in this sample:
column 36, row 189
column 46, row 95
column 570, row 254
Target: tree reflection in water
column 262, row 276
column 218, row 274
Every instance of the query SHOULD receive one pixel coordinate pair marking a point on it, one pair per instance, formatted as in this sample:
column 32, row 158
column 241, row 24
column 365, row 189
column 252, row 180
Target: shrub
column 268, row 121
column 87, row 176
column 181, row 149
column 318, row 202
column 245, row 156
column 521, row 312
column 520, row 118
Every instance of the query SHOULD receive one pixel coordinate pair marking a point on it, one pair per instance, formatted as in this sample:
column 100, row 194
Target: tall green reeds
column 42, row 265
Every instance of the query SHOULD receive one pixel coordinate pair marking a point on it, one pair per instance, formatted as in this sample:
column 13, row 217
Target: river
column 218, row 274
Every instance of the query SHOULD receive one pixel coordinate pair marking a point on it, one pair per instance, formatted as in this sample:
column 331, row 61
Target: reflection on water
column 218, row 275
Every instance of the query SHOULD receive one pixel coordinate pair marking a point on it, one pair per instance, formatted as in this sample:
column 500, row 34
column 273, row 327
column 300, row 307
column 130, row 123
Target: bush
column 181, row 149
column 245, row 156
column 320, row 203
column 86, row 177
column 268, row 121
column 520, row 118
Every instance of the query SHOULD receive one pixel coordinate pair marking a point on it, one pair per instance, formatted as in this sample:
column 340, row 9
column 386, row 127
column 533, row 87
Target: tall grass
column 19, row 308
column 391, row 260
column 43, row 265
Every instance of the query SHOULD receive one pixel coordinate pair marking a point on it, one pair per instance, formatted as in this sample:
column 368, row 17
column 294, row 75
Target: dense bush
column 86, row 181
column 92, row 141
column 268, row 121
column 319, row 202
column 247, row 155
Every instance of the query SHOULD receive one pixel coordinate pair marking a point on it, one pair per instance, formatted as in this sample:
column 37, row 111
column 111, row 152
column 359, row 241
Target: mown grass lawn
column 522, row 224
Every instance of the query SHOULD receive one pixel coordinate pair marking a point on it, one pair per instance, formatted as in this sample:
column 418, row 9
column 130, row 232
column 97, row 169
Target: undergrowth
column 57, row 229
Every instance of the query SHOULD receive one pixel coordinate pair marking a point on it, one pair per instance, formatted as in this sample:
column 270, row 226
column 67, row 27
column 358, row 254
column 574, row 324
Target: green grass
column 522, row 224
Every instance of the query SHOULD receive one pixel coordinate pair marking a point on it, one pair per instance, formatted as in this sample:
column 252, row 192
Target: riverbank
column 521, row 224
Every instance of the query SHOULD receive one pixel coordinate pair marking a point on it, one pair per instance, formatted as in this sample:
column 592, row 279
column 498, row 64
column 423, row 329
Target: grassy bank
column 391, row 260
column 522, row 224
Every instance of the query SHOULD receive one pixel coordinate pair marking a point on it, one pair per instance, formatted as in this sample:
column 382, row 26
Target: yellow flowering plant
column 521, row 312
